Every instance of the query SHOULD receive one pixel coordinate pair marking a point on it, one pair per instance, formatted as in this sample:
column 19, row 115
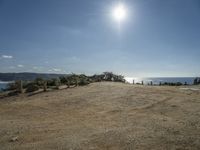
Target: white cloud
column 7, row 56
column 20, row 66
column 56, row 69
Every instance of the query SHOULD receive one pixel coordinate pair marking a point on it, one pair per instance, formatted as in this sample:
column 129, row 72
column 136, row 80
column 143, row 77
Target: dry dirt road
column 102, row 116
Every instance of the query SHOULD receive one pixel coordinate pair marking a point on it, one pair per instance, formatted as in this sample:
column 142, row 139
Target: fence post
column 45, row 86
column 20, row 86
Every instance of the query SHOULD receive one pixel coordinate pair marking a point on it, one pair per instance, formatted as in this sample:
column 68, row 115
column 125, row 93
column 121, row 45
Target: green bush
column 17, row 85
column 83, row 82
column 31, row 87
column 13, row 93
column 53, row 82
column 39, row 81
column 11, row 86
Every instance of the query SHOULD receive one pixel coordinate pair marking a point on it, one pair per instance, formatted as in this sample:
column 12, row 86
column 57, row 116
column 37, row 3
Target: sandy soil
column 102, row 116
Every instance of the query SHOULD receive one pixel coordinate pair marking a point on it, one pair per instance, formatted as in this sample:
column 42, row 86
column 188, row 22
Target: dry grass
column 110, row 116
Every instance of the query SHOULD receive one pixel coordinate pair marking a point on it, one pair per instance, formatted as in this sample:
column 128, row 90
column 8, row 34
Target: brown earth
column 102, row 116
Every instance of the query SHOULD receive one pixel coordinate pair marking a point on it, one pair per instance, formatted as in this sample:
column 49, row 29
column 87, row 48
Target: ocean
column 3, row 84
column 157, row 80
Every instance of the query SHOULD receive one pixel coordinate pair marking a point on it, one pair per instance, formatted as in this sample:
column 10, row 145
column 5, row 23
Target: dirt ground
column 102, row 116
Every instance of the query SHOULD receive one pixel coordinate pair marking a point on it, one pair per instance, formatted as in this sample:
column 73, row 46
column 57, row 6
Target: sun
column 119, row 13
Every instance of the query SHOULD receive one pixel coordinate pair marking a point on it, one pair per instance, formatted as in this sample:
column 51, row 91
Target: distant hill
column 26, row 76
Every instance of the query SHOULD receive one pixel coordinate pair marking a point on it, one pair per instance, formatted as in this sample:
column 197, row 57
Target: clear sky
column 157, row 38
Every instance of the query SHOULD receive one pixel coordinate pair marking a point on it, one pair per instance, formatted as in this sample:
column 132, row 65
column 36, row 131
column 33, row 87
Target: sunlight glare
column 119, row 13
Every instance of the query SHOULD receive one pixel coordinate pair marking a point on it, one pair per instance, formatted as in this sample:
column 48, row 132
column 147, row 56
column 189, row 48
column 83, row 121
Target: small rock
column 14, row 139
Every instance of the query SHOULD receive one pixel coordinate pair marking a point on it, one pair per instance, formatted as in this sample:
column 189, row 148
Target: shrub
column 13, row 93
column 63, row 80
column 196, row 81
column 39, row 81
column 17, row 85
column 12, row 86
column 83, row 82
column 31, row 87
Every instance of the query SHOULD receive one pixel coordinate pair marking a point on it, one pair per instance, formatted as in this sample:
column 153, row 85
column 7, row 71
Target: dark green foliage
column 83, row 82
column 11, row 86
column 69, row 80
column 75, row 80
column 172, row 84
column 97, row 78
column 107, row 76
column 54, row 82
column 196, row 81
column 31, row 87
column 63, row 80
column 13, row 93
column 39, row 81
column 17, row 85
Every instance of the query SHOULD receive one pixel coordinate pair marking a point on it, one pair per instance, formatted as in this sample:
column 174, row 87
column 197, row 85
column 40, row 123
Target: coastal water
column 3, row 85
column 157, row 80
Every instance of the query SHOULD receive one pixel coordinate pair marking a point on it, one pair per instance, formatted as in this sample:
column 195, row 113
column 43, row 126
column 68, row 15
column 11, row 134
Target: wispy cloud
column 35, row 67
column 7, row 56
column 55, row 70
column 12, row 67
column 20, row 66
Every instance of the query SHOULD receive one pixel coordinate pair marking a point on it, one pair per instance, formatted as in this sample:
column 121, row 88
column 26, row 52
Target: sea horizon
column 157, row 80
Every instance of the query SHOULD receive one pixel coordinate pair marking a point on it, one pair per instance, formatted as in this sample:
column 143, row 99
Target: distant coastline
column 26, row 76
column 157, row 80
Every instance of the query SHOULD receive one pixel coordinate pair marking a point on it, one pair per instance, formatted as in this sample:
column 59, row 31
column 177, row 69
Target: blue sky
column 157, row 38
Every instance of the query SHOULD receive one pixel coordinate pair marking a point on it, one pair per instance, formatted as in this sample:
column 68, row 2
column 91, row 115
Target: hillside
column 26, row 76
column 102, row 116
